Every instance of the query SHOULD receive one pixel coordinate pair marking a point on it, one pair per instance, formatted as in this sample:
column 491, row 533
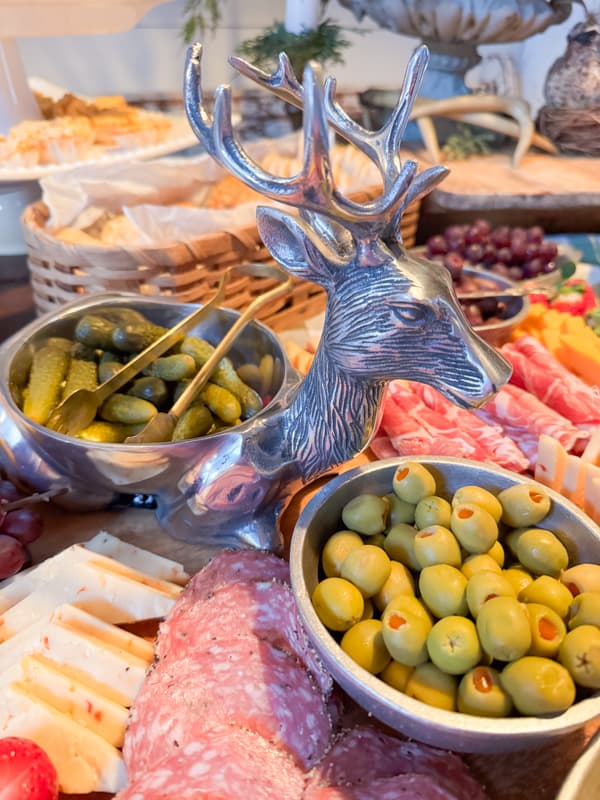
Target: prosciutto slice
column 536, row 369
column 525, row 418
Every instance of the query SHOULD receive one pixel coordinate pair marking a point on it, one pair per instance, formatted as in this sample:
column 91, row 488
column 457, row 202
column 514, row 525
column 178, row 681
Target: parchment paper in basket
column 144, row 192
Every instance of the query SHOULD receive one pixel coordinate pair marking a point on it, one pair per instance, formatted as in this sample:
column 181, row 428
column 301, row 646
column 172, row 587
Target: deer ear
column 293, row 243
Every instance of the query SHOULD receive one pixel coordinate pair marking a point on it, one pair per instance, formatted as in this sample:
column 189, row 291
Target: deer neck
column 332, row 417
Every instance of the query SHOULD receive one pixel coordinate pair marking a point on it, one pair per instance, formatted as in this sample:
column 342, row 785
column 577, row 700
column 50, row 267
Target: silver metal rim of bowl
column 438, row 727
column 583, row 780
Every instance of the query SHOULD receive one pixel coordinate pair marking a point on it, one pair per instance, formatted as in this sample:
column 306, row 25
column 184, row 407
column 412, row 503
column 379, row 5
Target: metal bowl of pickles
column 96, row 467
column 469, row 645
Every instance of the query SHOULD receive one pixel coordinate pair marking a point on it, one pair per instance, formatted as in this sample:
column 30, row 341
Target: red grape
column 473, row 236
column 454, row 264
column 504, row 255
column 516, row 273
column 23, row 524
column 535, row 234
column 13, row 556
column 501, row 236
column 483, row 226
column 519, row 250
column 474, row 253
column 9, row 492
column 455, row 232
column 531, row 269
column 489, row 253
column 547, row 251
column 437, row 245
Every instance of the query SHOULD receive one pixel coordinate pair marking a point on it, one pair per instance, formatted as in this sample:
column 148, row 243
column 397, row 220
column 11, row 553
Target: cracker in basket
column 230, row 192
column 75, row 236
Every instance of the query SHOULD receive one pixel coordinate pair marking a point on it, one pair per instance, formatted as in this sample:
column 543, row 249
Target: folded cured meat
column 221, row 762
column 501, row 449
column 536, row 370
column 366, row 758
column 525, row 418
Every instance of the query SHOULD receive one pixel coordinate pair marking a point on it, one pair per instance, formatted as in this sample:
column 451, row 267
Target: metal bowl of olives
column 96, row 471
column 391, row 696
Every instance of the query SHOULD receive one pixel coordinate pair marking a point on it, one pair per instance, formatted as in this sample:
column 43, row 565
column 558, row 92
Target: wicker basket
column 187, row 271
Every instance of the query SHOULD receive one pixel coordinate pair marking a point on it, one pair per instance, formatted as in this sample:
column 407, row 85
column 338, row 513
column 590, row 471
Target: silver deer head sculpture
column 389, row 314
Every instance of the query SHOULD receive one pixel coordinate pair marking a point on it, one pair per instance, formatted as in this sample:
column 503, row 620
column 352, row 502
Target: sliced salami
column 365, row 751
column 243, row 681
column 266, row 609
column 403, row 787
column 230, row 763
column 232, row 566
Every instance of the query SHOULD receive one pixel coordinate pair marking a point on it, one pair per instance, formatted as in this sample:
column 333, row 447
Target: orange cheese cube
column 583, row 355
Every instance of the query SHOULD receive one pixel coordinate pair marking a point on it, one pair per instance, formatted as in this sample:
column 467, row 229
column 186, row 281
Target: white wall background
column 150, row 57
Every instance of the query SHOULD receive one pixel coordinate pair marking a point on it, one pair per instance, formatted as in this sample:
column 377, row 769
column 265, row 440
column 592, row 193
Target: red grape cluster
column 18, row 528
column 515, row 253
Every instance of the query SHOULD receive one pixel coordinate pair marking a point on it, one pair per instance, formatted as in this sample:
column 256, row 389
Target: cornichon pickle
column 196, row 421
column 59, row 342
column 123, row 315
column 177, row 367
column 224, row 375
column 127, row 409
column 80, row 375
column 221, row 402
column 48, row 370
column 154, row 390
column 132, row 338
column 95, row 331
column 107, row 366
column 108, row 432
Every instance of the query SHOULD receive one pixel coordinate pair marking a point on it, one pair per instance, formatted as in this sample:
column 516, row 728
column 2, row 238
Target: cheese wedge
column 573, row 483
column 113, row 593
column 46, row 681
column 551, row 462
column 591, row 454
column 135, row 557
column 591, row 500
column 84, row 761
column 109, row 668
column 53, row 569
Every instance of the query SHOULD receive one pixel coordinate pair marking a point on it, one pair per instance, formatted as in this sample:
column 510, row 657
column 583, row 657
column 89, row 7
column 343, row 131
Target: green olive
column 338, row 603
column 547, row 630
column 399, row 510
column 366, row 514
column 453, row 645
column 437, row 545
column 585, row 609
column 474, row 527
column 538, row 685
column 548, row 591
column 579, row 653
column 431, row 685
column 524, row 505
column 496, row 552
column 364, row 644
column 432, row 510
column 480, row 693
column 478, row 563
column 400, row 544
column 368, row 567
column 405, row 636
column 399, row 581
column 541, row 552
column 336, row 548
column 519, row 578
column 396, row 675
column 412, row 605
column 443, row 590
column 378, row 539
column 484, row 585
column 581, row 578
column 480, row 497
column 511, row 539
column 503, row 628
column 412, row 482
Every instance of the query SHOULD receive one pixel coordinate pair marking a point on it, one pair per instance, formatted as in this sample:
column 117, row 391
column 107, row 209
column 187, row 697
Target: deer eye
column 411, row 313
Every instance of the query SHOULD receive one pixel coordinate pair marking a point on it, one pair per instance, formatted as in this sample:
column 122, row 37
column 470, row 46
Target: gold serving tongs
column 160, row 428
column 79, row 409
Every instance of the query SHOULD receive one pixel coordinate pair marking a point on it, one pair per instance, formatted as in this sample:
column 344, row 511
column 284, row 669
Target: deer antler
column 313, row 189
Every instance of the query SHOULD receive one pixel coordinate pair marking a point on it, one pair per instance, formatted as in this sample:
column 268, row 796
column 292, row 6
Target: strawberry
column 574, row 297
column 26, row 772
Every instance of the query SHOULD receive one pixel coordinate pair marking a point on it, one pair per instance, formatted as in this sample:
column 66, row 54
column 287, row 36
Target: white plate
column 180, row 136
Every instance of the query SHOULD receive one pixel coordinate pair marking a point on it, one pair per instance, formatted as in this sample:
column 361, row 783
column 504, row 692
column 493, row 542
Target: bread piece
column 75, row 236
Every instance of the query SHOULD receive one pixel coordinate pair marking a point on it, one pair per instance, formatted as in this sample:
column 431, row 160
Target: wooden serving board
column 561, row 193
column 507, row 776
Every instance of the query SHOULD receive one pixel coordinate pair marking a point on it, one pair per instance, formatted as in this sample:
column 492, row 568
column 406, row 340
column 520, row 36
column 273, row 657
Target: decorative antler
column 313, row 189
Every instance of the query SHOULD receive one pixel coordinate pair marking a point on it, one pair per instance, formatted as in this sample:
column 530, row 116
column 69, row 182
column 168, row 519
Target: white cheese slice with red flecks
column 101, row 586
column 591, row 454
column 107, row 666
column 15, row 589
column 591, row 498
column 84, row 761
column 573, row 483
column 551, row 462
column 46, row 681
column 135, row 557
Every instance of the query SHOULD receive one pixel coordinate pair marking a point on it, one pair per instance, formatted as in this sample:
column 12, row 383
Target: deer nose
column 492, row 368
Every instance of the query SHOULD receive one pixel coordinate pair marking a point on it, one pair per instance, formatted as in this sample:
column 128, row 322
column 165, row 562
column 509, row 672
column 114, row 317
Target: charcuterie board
column 506, row 776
